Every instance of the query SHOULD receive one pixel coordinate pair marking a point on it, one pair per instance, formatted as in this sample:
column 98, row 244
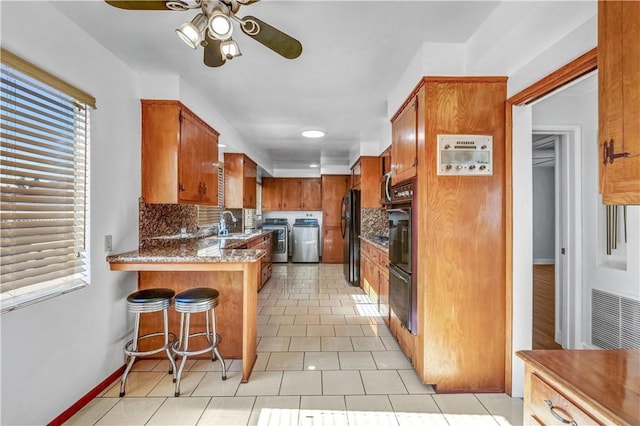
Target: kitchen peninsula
column 221, row 263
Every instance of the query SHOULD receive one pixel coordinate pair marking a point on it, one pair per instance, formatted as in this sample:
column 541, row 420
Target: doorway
column 548, row 227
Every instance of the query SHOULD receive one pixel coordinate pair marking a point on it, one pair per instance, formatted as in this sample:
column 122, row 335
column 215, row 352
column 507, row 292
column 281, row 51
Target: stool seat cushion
column 197, row 294
column 151, row 295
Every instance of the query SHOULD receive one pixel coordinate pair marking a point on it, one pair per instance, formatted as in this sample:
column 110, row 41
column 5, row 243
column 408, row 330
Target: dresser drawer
column 549, row 407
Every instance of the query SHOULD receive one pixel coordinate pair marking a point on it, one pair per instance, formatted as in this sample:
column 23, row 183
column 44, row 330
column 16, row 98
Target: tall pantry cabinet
column 459, row 236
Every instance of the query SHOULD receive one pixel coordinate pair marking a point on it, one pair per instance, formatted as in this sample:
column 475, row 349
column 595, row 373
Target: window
column 44, row 185
column 210, row 215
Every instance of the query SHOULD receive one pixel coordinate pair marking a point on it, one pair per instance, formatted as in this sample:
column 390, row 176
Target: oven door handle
column 396, row 274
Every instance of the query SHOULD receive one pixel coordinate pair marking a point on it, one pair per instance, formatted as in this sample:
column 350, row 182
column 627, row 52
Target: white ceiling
column 354, row 53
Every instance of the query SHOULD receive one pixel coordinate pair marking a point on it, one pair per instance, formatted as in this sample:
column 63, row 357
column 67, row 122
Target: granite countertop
column 376, row 241
column 193, row 250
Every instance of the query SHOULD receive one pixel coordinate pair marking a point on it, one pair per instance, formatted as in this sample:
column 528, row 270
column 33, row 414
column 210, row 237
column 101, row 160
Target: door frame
column 575, row 69
column 569, row 223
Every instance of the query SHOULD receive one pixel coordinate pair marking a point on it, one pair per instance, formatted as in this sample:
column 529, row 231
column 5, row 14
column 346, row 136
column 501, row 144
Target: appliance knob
column 483, row 147
column 448, row 167
column 472, row 167
column 447, row 146
column 459, row 167
column 483, row 167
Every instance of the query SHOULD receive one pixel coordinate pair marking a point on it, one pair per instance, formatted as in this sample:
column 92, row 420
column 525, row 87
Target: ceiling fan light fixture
column 314, row 134
column 230, row 49
column 191, row 32
column 220, row 25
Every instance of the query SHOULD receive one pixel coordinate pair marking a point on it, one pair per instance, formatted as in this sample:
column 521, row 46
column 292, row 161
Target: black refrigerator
column 350, row 223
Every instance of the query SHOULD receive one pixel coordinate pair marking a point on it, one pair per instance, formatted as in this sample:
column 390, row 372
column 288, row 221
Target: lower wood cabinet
column 581, row 387
column 264, row 242
column 375, row 277
column 332, row 244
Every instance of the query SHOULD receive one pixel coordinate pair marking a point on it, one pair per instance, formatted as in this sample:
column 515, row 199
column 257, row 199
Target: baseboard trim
column 69, row 412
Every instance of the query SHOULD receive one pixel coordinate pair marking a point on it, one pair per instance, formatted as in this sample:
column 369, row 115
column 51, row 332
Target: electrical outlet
column 108, row 243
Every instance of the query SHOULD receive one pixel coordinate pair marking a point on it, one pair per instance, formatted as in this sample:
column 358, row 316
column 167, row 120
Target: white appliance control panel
column 466, row 155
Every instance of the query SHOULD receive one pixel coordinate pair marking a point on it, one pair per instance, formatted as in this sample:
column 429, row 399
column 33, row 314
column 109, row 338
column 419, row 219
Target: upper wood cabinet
column 311, row 194
column 240, row 174
column 619, row 101
column 385, row 160
column 404, row 142
column 292, row 194
column 179, row 155
column 369, row 171
column 271, row 194
column 356, row 175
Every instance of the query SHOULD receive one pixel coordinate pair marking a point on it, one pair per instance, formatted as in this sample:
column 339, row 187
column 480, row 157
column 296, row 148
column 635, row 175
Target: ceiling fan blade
column 139, row 5
column 271, row 37
column 247, row 2
column 212, row 53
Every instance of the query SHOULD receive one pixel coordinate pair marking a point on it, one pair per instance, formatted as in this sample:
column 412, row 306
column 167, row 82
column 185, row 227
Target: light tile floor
column 324, row 358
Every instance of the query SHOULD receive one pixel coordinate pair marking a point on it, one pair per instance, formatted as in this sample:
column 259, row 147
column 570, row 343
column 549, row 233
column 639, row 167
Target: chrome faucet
column 222, row 228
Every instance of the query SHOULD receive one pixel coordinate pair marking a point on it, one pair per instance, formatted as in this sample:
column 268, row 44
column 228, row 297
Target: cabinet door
column 291, row 194
column 404, row 143
column 208, row 168
column 619, row 100
column 370, row 174
column 332, row 244
column 384, row 294
column 249, row 186
column 190, row 151
column 271, row 194
column 356, row 173
column 334, row 187
column 311, row 194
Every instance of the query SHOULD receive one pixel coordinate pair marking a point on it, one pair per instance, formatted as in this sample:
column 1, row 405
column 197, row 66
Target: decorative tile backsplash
column 156, row 220
column 373, row 222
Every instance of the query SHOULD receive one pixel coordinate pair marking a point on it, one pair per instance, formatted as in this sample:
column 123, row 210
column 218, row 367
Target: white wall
column 620, row 272
column 56, row 351
column 543, row 215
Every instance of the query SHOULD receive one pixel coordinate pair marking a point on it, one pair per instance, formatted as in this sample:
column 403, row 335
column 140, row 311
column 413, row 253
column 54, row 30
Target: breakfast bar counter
column 211, row 262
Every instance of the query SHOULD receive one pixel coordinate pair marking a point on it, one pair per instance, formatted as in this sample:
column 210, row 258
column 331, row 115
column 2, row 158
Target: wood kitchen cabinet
column 240, row 174
column 581, row 387
column 334, row 187
column 375, row 282
column 311, row 194
column 619, row 101
column 291, row 194
column 385, row 160
column 263, row 242
column 458, row 242
column 271, row 194
column 367, row 171
column 179, row 155
column 404, row 142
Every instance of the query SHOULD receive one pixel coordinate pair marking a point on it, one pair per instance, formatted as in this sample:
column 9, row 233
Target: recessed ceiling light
column 313, row 133
column 315, row 166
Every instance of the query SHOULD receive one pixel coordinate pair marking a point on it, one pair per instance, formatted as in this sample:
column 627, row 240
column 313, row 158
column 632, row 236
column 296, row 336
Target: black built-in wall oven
column 402, row 280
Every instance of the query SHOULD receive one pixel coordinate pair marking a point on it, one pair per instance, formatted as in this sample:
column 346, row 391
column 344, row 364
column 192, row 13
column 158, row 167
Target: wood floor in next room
column 324, row 358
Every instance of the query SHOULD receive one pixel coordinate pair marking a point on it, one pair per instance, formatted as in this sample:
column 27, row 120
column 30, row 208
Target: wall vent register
column 466, row 155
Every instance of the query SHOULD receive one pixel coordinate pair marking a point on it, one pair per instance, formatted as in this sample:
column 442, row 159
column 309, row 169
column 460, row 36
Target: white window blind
column 44, row 184
column 210, row 215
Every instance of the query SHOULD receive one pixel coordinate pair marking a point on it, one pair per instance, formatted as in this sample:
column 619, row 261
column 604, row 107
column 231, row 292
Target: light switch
column 108, row 243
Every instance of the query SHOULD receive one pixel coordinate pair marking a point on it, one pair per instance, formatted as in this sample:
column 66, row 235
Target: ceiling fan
column 212, row 27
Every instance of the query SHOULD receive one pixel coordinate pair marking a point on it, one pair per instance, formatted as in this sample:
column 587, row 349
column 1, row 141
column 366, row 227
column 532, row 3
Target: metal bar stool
column 142, row 302
column 191, row 301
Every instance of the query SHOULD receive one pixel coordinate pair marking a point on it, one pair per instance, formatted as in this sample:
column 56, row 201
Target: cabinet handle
column 608, row 153
column 554, row 412
column 204, row 188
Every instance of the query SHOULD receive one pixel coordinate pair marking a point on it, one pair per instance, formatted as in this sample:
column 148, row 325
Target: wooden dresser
column 582, row 387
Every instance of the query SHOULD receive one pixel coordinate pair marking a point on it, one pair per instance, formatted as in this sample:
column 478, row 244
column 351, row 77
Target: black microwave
column 385, row 189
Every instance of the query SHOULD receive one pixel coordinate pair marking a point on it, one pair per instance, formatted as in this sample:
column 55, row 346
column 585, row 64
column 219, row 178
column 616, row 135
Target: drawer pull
column 555, row 410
